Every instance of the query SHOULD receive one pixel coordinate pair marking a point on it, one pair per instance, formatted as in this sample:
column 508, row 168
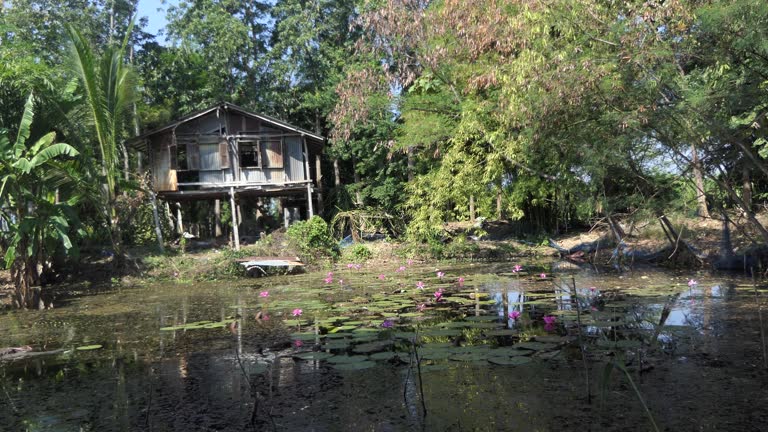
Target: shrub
column 312, row 239
column 360, row 252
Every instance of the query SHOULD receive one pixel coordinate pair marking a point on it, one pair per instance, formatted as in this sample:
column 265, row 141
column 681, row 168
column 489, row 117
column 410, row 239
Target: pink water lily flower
column 440, row 274
column 387, row 324
column 514, row 315
column 410, row 262
column 382, row 277
column 420, row 285
column 543, row 275
column 692, row 283
column 461, row 281
column 438, row 295
column 264, row 294
column 350, row 265
column 549, row 319
column 421, row 307
column 329, row 279
column 400, row 269
column 330, row 274
column 517, row 268
column 297, row 312
column 593, row 289
column 298, row 344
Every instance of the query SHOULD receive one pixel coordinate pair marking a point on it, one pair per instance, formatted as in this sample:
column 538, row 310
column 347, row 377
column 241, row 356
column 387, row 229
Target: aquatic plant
column 400, row 269
column 328, row 279
column 549, row 319
column 514, row 315
column 517, row 268
column 410, row 262
column 440, row 275
column 692, row 283
column 438, row 295
column 297, row 312
column 382, row 277
column 420, row 285
column 264, row 294
column 421, row 307
column 543, row 275
column 461, row 281
column 387, row 323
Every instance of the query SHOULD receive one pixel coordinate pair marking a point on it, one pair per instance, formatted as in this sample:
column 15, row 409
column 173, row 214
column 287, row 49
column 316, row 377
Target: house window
column 179, row 160
column 249, row 154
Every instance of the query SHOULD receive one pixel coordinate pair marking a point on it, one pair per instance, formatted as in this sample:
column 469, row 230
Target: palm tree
column 110, row 87
column 36, row 223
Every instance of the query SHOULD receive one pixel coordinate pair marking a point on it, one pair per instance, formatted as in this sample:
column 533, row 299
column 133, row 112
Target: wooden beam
column 235, row 231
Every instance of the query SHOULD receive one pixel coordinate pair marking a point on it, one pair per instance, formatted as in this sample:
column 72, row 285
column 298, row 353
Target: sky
column 149, row 9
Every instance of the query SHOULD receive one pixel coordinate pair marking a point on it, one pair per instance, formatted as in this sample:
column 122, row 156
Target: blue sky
column 149, row 9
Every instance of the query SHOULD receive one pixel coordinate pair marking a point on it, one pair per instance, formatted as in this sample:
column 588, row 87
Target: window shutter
column 224, row 153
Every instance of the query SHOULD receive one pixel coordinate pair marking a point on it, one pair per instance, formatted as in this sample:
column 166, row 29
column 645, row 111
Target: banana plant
column 35, row 223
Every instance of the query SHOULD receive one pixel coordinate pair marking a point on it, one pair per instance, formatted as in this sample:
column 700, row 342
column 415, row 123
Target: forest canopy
column 549, row 113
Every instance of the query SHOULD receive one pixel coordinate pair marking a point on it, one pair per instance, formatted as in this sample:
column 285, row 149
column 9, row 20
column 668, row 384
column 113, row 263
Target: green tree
column 30, row 175
column 109, row 87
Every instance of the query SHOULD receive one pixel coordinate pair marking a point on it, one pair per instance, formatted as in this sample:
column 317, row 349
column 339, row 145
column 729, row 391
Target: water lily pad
column 347, row 359
column 315, row 355
column 371, row 347
column 88, row 347
column 469, row 356
column 535, row 346
column 354, row 366
column 404, row 335
column 384, row 355
column 441, row 332
column 509, row 361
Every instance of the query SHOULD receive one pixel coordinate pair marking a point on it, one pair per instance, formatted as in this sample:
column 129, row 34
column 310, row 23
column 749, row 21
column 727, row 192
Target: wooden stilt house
column 228, row 152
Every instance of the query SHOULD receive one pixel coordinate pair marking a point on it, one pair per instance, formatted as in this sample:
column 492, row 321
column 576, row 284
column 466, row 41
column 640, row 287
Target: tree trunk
column 746, row 185
column 472, row 208
column 499, row 212
column 358, row 198
column 698, row 179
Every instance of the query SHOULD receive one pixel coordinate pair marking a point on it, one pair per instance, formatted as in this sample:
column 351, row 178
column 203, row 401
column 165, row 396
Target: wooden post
column 286, row 215
column 319, row 184
column 310, row 211
column 179, row 222
column 307, row 178
column 156, row 216
column 217, row 218
column 472, row 208
column 239, row 215
column 235, row 231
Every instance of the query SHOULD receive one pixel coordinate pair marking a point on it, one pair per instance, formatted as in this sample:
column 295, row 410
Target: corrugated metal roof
column 231, row 107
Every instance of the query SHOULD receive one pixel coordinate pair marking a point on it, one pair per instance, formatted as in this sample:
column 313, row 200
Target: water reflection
column 231, row 378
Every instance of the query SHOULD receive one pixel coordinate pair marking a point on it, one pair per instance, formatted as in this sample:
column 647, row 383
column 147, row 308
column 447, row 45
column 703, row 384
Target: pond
column 400, row 347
